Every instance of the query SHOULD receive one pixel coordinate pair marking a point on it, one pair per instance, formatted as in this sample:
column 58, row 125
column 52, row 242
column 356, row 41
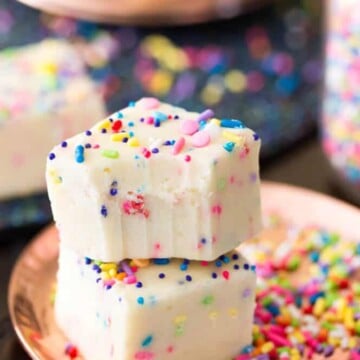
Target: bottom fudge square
column 156, row 309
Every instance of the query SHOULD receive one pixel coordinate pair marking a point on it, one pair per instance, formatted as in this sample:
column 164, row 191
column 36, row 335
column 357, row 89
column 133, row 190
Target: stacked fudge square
column 150, row 204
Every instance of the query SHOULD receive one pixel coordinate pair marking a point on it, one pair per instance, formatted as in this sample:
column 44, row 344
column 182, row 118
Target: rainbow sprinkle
column 308, row 297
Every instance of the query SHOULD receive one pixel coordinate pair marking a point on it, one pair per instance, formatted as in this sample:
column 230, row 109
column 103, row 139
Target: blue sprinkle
column 256, row 136
column 316, row 296
column 87, row 261
column 226, row 259
column 183, row 267
column 314, row 256
column 119, row 115
column 131, row 133
column 147, row 341
column 159, row 116
column 186, row 261
column 357, row 250
column 103, row 211
column 229, row 146
column 253, row 267
column 247, row 349
column 167, row 143
column 273, row 309
column 64, row 144
column 218, row 263
column 163, row 261
column 231, row 123
column 157, row 123
column 52, row 156
column 132, row 104
column 131, row 124
column 140, row 300
column 79, row 154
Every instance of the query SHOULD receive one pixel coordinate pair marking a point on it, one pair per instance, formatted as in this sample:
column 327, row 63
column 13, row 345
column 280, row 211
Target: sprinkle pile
column 308, row 297
column 341, row 120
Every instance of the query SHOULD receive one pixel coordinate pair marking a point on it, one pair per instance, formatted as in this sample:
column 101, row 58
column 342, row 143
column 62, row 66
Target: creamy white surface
column 38, row 109
column 198, row 209
column 173, row 313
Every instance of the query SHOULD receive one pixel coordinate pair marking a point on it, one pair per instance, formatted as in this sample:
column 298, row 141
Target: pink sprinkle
column 130, row 279
column 149, row 120
column 243, row 357
column 144, row 355
column 148, row 103
column 277, row 339
column 96, row 146
column 201, row 139
column 170, row 349
column 226, row 275
column 187, row 158
column 189, row 127
column 232, row 179
column 178, row 146
column 216, row 209
column 204, row 263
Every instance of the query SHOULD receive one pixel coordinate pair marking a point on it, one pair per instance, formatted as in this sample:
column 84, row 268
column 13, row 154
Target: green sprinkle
column 207, row 300
column 221, row 184
column 179, row 329
column 293, row 263
column 111, row 154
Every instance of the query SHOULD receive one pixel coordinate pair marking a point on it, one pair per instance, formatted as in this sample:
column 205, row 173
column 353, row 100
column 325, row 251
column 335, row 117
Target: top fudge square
column 156, row 181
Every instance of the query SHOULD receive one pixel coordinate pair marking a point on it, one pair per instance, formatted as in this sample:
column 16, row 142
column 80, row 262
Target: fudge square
column 155, row 181
column 166, row 309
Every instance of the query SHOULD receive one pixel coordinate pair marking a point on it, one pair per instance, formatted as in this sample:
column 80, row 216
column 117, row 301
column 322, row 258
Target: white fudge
column 154, row 181
column 176, row 311
column 45, row 96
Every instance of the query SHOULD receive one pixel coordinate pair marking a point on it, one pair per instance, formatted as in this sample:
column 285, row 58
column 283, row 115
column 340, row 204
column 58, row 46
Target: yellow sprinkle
column 329, row 316
column 256, row 329
column 353, row 342
column 235, row 81
column 341, row 307
column 49, row 68
column 180, row 319
column 233, row 312
column 267, row 347
column 105, row 124
column 160, row 83
column 213, row 315
column 107, row 170
column 319, row 307
column 133, row 142
column 105, row 275
column 107, row 266
column 215, row 121
column 238, row 140
column 140, row 262
column 334, row 341
column 299, row 336
column 349, row 318
column 112, row 273
column 119, row 136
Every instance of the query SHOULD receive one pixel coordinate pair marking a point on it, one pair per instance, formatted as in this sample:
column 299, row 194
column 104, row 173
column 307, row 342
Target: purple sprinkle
column 64, row 144
column 188, row 278
column 87, row 146
column 87, row 261
column 246, row 266
column 161, row 275
column 236, row 267
column 214, row 275
column 125, row 140
column 205, row 115
column 52, row 156
column 126, row 268
column 139, row 284
column 155, row 150
column 246, row 293
column 235, row 256
column 328, row 351
column 104, row 131
column 88, row 133
column 203, row 241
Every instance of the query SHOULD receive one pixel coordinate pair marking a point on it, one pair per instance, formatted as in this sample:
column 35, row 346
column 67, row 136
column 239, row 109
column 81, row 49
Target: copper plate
column 34, row 274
